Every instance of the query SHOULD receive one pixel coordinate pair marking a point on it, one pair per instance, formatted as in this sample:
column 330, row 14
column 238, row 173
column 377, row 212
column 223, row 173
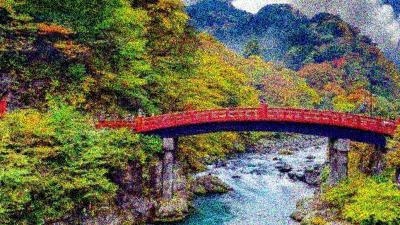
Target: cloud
column 254, row 5
column 372, row 17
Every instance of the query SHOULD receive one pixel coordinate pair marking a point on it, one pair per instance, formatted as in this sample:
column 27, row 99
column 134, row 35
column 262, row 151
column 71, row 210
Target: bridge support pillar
column 169, row 149
column 338, row 159
column 378, row 160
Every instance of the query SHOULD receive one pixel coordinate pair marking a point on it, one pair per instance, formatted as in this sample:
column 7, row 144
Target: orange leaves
column 53, row 29
column 338, row 63
column 318, row 75
column 333, row 89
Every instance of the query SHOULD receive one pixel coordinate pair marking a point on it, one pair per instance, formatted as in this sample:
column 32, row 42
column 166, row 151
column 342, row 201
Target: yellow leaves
column 28, row 126
column 88, row 84
column 341, row 103
column 72, row 49
column 176, row 23
column 333, row 88
column 214, row 84
column 169, row 5
column 77, row 99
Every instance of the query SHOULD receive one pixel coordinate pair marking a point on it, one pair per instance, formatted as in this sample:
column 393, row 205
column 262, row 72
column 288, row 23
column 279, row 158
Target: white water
column 261, row 194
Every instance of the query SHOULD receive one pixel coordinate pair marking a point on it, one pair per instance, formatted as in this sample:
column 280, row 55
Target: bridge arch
column 334, row 125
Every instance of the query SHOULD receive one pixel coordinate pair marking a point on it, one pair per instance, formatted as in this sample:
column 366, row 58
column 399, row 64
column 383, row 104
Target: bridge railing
column 361, row 122
column 196, row 117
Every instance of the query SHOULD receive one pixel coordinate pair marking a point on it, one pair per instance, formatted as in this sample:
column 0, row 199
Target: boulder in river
column 236, row 176
column 209, row 184
column 312, row 174
column 172, row 210
column 283, row 167
column 310, row 157
column 285, row 152
column 220, row 163
column 297, row 175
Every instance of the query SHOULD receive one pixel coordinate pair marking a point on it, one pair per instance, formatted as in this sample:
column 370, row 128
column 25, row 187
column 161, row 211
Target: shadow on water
column 209, row 210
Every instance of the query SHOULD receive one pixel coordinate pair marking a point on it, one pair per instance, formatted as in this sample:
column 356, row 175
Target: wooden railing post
column 139, row 123
column 264, row 110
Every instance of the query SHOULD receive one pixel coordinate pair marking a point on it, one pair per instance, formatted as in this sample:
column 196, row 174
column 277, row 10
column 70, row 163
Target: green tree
column 252, row 48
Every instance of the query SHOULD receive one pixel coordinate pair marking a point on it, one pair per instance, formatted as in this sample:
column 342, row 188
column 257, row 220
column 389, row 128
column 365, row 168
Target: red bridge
column 323, row 123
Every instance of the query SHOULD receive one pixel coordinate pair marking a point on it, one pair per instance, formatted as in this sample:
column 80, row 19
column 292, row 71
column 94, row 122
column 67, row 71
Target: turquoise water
column 261, row 194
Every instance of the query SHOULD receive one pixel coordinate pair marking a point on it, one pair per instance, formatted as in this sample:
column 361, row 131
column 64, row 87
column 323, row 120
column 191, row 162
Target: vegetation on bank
column 56, row 164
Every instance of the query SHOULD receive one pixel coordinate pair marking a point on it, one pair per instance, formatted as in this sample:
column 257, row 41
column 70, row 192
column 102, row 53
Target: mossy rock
column 199, row 190
column 285, row 152
column 317, row 220
column 173, row 210
column 209, row 184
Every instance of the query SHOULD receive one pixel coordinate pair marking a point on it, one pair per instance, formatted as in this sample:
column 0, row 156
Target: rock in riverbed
column 172, row 210
column 312, row 174
column 297, row 175
column 209, row 184
column 285, row 152
column 283, row 167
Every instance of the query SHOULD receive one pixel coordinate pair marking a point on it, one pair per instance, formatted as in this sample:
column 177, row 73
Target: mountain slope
column 317, row 47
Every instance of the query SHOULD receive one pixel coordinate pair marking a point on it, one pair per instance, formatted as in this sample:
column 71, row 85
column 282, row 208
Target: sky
column 374, row 18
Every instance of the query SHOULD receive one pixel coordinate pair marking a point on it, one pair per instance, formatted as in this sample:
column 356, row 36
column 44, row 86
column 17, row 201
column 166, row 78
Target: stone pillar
column 338, row 159
column 378, row 160
column 169, row 148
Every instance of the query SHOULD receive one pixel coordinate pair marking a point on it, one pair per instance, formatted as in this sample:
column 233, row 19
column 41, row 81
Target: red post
column 397, row 126
column 264, row 110
column 139, row 123
column 3, row 106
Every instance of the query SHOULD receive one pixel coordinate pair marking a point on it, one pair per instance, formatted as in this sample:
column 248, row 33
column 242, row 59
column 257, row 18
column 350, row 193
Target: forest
column 64, row 63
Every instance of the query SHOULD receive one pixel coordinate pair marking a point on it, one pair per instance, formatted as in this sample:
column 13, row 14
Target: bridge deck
column 262, row 114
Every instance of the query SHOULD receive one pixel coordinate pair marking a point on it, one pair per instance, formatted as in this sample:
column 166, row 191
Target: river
column 261, row 194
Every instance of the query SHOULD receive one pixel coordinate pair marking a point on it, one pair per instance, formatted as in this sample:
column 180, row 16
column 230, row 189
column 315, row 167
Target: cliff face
column 140, row 196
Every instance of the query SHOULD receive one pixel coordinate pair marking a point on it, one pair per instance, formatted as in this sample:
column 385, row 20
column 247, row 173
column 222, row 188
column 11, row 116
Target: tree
column 252, row 48
column 56, row 164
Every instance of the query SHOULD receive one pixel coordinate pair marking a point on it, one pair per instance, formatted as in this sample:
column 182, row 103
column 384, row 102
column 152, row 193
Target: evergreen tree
column 252, row 48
